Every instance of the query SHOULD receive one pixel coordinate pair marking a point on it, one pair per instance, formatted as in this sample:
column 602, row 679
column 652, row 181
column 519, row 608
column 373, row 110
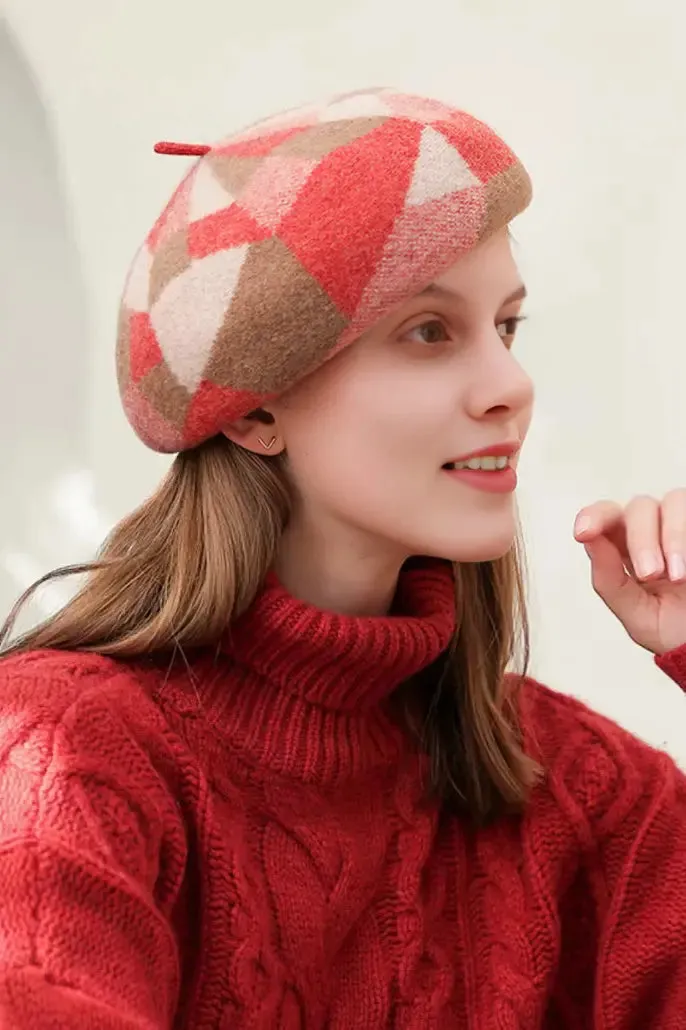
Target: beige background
column 592, row 95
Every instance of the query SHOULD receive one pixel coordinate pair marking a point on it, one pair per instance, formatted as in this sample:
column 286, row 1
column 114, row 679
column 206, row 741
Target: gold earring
column 267, row 446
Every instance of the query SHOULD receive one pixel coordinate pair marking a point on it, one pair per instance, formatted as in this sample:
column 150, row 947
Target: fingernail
column 582, row 525
column 648, row 564
column 677, row 567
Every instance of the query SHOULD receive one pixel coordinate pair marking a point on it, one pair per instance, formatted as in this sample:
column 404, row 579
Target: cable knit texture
column 244, row 843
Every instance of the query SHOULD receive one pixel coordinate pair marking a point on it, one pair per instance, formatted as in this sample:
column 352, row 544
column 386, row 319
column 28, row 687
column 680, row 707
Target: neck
column 342, row 571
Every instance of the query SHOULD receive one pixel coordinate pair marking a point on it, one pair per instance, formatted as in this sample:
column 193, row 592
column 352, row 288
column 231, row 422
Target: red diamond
column 230, row 227
column 215, row 406
column 144, row 350
column 344, row 214
column 484, row 152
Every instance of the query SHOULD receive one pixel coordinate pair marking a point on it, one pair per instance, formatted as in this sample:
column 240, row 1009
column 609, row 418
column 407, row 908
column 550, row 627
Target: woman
column 267, row 768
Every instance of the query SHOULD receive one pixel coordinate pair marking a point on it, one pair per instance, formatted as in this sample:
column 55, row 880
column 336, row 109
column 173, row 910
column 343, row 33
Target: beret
column 285, row 242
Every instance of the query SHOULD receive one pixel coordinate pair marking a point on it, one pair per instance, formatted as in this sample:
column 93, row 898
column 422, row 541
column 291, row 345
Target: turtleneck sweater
column 244, row 840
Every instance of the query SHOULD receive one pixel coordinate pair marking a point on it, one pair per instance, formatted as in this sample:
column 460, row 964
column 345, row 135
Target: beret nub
column 285, row 242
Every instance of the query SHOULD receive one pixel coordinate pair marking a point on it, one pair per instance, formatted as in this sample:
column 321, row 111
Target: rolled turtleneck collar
column 308, row 688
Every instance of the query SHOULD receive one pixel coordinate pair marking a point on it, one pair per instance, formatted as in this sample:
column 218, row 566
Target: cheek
column 337, row 456
column 366, row 435
column 362, row 452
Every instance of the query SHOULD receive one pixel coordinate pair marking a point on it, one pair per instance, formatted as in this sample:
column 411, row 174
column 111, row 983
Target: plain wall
column 592, row 96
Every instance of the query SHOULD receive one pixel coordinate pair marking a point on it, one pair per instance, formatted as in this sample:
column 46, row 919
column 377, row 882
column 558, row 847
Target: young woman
column 267, row 769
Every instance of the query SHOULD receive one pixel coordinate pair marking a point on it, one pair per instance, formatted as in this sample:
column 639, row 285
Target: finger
column 673, row 532
column 607, row 566
column 605, row 518
column 620, row 592
column 597, row 518
column 642, row 525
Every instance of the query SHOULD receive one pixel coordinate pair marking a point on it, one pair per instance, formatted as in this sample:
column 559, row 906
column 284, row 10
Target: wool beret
column 286, row 241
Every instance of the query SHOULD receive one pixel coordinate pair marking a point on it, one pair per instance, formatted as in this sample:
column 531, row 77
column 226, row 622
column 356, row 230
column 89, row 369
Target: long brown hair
column 173, row 575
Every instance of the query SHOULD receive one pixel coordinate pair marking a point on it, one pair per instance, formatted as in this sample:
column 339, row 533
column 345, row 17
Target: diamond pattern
column 171, row 259
column 174, row 217
column 234, row 172
column 448, row 226
column 319, row 140
column 271, row 192
column 145, row 350
column 502, row 197
column 229, row 228
column 297, row 331
column 153, row 429
column 258, row 146
column 285, row 242
column 218, row 404
column 186, row 332
column 439, row 170
column 169, row 398
column 485, row 154
column 208, row 194
column 355, row 214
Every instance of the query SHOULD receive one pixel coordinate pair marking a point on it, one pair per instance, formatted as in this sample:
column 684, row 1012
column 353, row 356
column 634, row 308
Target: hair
column 192, row 558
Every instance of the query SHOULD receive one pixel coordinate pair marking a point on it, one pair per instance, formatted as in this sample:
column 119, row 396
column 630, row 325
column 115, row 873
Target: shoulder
column 79, row 669
column 88, row 767
column 47, row 685
column 93, row 840
column 82, row 712
column 595, row 769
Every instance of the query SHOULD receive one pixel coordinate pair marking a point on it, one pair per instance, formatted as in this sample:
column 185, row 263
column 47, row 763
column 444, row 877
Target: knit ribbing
column 344, row 663
column 307, row 687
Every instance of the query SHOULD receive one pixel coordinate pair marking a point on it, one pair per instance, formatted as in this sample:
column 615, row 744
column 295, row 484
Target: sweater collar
column 305, row 691
column 346, row 663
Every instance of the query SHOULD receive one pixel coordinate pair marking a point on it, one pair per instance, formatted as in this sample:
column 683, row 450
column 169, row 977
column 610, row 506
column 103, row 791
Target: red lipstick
column 495, row 481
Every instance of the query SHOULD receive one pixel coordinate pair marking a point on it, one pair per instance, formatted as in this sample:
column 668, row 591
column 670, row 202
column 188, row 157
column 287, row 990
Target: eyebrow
column 442, row 291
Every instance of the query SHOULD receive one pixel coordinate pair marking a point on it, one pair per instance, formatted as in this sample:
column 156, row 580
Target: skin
column 638, row 565
column 367, row 436
column 368, row 433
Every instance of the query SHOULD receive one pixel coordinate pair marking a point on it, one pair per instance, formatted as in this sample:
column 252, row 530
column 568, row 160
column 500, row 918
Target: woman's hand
column 638, row 563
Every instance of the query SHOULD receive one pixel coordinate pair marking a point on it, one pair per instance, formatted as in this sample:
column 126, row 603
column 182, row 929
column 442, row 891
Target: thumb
column 613, row 584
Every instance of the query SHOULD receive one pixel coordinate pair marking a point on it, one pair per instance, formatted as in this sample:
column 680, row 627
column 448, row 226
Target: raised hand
column 638, row 565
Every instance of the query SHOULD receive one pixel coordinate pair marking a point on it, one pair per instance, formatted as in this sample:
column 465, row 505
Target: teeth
column 489, row 463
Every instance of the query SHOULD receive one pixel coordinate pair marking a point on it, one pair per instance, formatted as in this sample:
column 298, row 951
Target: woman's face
column 368, row 436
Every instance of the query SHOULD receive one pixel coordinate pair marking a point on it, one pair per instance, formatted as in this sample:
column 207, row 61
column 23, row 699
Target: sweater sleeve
column 91, row 850
column 641, row 983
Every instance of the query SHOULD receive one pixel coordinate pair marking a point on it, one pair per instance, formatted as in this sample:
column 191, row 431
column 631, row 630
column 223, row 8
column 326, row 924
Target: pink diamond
column 272, row 190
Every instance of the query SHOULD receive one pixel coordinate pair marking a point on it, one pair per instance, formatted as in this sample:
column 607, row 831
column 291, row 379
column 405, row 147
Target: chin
column 476, row 548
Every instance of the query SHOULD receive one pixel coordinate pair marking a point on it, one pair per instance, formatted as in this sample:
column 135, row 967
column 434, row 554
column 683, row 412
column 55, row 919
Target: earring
column 267, row 446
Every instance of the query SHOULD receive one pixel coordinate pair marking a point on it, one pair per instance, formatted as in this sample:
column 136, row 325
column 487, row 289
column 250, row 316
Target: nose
column 500, row 385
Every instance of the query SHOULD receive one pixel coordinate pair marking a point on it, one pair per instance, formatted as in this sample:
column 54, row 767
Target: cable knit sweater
column 245, row 844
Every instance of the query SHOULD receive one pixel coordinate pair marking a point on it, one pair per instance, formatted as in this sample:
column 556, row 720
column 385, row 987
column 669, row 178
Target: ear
column 256, row 432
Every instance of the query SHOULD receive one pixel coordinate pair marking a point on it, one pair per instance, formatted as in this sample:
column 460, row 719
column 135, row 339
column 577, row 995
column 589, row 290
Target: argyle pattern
column 284, row 243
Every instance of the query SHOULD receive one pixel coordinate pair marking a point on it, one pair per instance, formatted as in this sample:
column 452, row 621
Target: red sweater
column 244, row 844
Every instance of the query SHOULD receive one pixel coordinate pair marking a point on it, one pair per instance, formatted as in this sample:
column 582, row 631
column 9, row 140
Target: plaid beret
column 285, row 242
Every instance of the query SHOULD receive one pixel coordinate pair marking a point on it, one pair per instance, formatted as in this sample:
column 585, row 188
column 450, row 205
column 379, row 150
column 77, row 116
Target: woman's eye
column 508, row 328
column 433, row 331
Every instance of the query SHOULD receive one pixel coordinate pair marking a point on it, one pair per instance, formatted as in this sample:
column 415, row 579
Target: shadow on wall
column 46, row 517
